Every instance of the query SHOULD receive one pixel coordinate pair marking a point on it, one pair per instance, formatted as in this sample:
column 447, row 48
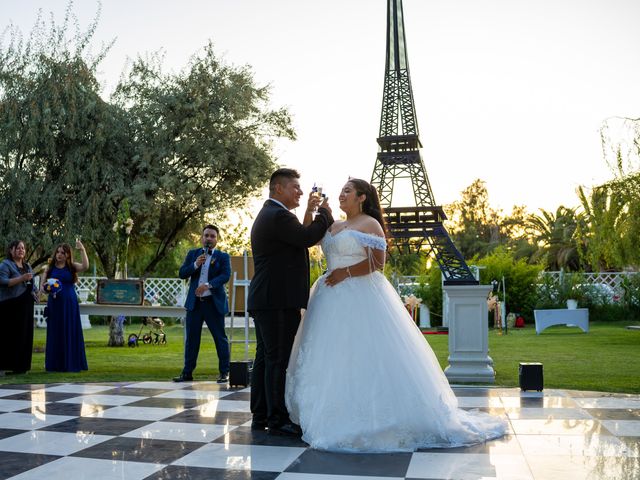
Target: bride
column 361, row 376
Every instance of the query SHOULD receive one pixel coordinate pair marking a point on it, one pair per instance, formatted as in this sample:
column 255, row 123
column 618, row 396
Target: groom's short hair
column 280, row 176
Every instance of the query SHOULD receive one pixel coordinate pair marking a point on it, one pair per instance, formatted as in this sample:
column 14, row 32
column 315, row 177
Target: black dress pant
column 275, row 332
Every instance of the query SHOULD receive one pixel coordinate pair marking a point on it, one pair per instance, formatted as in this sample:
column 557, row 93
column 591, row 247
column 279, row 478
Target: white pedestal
column 469, row 359
column 425, row 316
column 445, row 308
column 84, row 320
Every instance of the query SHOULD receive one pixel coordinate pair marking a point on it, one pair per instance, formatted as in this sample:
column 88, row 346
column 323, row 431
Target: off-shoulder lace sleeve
column 369, row 240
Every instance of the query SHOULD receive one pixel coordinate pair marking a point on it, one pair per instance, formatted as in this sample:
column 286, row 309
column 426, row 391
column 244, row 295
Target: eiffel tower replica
column 419, row 226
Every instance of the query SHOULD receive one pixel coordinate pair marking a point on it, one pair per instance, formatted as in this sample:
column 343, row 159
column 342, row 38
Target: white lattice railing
column 162, row 291
column 611, row 279
column 158, row 291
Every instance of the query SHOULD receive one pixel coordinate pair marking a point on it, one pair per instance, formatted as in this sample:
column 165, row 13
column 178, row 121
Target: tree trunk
column 116, row 331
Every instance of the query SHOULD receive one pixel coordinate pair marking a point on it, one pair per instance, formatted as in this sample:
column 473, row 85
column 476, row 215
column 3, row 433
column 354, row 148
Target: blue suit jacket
column 219, row 273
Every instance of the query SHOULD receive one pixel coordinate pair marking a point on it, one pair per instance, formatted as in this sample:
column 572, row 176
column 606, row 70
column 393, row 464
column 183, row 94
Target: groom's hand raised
column 313, row 203
column 316, row 202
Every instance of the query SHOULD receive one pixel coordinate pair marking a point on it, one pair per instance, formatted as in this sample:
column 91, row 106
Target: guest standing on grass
column 208, row 270
column 17, row 295
column 65, row 343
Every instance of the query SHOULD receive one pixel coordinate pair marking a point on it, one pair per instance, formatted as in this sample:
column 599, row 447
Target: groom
column 278, row 291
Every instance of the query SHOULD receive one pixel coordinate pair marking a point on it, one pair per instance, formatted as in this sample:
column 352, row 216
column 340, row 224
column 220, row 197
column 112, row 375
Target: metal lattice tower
column 413, row 227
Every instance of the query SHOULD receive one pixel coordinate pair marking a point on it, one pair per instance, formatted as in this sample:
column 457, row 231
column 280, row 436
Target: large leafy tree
column 175, row 147
column 204, row 138
column 612, row 235
column 62, row 148
column 602, row 232
column 477, row 228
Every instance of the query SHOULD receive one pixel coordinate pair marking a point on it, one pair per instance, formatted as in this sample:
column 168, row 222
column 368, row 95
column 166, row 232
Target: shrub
column 430, row 291
column 613, row 313
column 520, row 279
column 553, row 292
column 316, row 269
column 631, row 288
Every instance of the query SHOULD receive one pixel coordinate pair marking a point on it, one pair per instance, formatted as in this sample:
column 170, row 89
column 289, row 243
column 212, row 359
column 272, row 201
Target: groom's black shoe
column 183, row 378
column 259, row 425
column 286, row 429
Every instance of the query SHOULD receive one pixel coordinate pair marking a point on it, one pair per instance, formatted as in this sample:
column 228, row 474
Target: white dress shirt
column 204, row 272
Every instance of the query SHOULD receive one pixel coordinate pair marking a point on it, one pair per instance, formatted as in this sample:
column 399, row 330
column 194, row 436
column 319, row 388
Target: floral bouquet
column 52, row 286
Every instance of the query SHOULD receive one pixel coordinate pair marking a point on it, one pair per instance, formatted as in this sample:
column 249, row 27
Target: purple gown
column 65, row 342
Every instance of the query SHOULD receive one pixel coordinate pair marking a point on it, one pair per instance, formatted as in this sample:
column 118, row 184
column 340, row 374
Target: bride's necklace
column 344, row 226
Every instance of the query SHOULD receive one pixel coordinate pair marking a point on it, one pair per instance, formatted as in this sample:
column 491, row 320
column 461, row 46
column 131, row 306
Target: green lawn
column 605, row 359
column 145, row 362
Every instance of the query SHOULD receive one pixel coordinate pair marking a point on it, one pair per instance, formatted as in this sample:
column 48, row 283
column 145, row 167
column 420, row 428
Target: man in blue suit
column 208, row 270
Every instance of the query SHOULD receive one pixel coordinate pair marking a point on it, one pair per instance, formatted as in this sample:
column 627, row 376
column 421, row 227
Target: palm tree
column 555, row 235
column 608, row 223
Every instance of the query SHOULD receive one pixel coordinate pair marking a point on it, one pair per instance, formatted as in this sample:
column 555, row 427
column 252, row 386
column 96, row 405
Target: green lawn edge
column 606, row 359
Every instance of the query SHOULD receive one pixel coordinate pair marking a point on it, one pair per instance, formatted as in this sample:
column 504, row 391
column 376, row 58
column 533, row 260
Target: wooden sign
column 120, row 292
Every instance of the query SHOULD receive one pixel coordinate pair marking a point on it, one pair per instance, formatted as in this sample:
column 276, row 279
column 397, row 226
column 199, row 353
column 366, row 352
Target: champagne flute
column 316, row 191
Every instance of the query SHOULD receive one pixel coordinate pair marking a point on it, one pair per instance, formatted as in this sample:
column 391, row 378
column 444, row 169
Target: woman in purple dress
column 65, row 342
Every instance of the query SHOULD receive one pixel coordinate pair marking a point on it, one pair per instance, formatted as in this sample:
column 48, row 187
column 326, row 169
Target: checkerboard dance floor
column 200, row 430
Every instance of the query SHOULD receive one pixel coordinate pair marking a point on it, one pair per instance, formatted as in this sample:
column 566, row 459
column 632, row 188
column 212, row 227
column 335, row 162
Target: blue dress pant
column 205, row 312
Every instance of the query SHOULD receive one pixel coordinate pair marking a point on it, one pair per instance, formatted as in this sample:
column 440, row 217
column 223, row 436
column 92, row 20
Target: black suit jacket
column 279, row 243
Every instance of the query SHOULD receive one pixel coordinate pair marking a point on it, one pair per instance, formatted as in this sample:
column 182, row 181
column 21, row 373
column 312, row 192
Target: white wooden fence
column 611, row 279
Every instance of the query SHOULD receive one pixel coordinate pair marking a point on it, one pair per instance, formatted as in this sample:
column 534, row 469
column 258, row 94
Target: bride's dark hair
column 371, row 205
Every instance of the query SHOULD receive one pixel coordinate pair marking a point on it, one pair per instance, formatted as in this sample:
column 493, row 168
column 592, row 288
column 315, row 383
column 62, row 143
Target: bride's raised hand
column 325, row 204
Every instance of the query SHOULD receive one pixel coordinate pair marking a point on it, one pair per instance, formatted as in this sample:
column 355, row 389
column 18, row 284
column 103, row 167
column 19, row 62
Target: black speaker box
column 240, row 373
column 531, row 376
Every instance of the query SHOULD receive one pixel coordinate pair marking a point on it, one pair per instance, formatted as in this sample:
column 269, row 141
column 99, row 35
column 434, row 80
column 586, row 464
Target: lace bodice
column 349, row 247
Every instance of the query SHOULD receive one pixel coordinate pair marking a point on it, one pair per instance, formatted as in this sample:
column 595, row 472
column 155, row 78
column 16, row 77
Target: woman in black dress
column 17, row 296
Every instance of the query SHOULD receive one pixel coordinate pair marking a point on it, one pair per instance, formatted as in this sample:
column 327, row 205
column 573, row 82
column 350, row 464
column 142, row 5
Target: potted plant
column 570, row 291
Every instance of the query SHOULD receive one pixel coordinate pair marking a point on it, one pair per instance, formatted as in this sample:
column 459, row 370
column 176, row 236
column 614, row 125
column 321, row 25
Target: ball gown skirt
column 362, row 378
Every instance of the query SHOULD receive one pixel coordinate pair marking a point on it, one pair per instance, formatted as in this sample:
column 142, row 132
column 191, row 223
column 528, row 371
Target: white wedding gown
column 362, row 378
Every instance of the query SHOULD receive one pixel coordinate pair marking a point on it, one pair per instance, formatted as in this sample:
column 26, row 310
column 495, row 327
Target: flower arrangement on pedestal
column 122, row 228
column 412, row 303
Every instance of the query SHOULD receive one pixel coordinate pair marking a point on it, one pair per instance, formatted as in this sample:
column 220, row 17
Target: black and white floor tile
column 201, row 430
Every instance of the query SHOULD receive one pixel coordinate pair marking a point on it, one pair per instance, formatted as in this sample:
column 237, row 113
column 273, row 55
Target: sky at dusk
column 513, row 92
